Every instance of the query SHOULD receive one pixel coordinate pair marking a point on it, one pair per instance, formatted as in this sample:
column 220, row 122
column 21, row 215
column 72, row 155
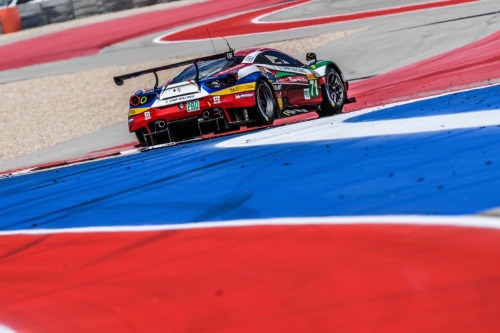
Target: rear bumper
column 178, row 112
column 184, row 129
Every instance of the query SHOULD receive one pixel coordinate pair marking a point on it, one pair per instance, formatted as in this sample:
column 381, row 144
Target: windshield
column 206, row 68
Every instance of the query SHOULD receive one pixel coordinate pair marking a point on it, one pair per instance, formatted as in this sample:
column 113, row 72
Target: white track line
column 338, row 127
column 421, row 220
column 258, row 20
column 5, row 329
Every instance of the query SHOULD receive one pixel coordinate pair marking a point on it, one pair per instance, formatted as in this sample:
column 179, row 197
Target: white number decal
column 193, row 106
column 313, row 88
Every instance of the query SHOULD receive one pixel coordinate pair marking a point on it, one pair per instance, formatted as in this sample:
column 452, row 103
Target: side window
column 278, row 58
column 275, row 60
column 261, row 59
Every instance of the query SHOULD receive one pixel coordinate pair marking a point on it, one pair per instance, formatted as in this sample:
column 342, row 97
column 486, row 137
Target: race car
column 224, row 91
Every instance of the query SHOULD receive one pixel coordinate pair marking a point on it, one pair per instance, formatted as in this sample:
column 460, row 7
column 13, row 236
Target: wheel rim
column 265, row 101
column 335, row 88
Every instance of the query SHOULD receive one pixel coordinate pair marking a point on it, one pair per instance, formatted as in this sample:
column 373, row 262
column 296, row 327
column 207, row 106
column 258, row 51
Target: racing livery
column 222, row 92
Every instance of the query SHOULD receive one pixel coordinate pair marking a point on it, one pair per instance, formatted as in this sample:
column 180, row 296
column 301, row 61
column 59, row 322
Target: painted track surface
column 320, row 276
column 472, row 65
column 353, row 164
column 249, row 23
column 91, row 39
column 268, row 278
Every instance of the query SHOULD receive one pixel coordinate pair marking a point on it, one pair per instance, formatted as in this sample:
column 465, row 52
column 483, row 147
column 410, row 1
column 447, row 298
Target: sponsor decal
column 249, row 58
column 179, row 99
column 236, row 89
column 299, row 79
column 277, row 87
column 293, row 79
column 287, row 69
column 307, row 94
column 297, row 70
column 193, row 106
column 216, row 99
column 147, row 115
column 311, row 76
column 244, row 95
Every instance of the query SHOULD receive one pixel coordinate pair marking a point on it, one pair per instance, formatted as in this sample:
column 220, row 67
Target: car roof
column 245, row 52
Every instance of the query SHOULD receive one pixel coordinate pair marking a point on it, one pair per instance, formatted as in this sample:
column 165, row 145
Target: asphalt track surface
column 419, row 266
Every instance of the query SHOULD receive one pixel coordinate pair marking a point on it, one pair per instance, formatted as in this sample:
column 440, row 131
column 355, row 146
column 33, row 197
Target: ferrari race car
column 221, row 92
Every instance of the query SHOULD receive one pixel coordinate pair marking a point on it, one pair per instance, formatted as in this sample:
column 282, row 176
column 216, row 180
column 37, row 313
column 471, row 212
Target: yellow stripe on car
column 136, row 111
column 236, row 89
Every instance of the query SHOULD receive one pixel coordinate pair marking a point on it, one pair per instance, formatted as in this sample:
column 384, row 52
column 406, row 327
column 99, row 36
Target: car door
column 295, row 85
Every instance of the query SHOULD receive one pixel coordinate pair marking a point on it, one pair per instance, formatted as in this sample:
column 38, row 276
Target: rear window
column 206, row 69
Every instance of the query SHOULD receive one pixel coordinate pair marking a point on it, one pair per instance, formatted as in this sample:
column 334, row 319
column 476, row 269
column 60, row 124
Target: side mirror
column 311, row 56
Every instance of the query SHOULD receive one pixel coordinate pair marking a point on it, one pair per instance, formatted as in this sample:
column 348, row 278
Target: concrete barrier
column 31, row 15
column 85, row 8
column 57, row 10
column 116, row 5
column 144, row 3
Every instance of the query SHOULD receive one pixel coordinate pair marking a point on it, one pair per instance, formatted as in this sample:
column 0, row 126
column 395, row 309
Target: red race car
column 222, row 92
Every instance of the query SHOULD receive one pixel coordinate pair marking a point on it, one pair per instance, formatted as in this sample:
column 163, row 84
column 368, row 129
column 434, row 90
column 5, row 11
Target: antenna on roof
column 211, row 41
column 229, row 46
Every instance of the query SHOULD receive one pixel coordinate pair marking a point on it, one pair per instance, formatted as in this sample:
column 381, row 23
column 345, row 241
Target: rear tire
column 265, row 108
column 334, row 94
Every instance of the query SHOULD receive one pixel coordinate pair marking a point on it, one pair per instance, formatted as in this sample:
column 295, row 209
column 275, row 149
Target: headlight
column 221, row 82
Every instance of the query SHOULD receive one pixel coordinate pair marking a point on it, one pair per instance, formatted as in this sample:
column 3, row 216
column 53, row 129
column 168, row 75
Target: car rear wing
column 119, row 80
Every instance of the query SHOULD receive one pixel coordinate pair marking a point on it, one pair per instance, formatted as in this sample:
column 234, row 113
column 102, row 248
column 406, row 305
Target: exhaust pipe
column 206, row 115
column 161, row 124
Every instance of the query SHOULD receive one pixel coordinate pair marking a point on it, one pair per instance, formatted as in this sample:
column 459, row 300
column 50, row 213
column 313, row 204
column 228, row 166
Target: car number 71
column 193, row 106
